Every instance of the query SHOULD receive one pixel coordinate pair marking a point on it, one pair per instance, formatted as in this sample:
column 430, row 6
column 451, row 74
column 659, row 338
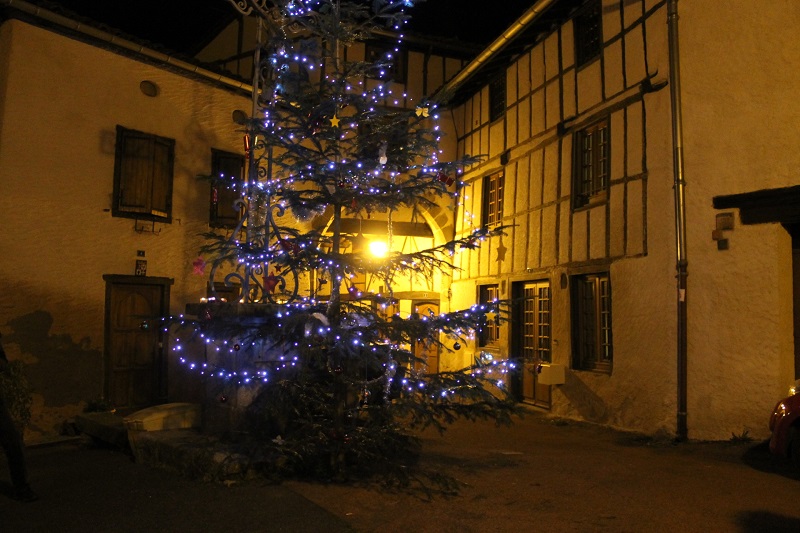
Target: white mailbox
column 551, row 374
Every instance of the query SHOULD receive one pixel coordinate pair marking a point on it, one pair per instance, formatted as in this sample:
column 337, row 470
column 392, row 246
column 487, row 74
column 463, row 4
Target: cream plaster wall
column 62, row 100
column 740, row 121
column 739, row 116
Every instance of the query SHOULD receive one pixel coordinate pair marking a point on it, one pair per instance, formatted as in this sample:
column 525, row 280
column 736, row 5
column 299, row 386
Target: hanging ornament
column 270, row 282
column 247, row 146
column 365, row 396
column 444, row 178
column 422, row 111
column 290, row 247
column 315, row 124
column 236, row 347
column 456, row 345
column 334, row 121
column 382, row 153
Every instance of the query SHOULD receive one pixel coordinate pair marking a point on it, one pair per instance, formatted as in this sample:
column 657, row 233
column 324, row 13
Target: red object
column 199, row 266
column 289, row 246
column 270, row 282
column 247, row 146
column 444, row 178
column 785, row 426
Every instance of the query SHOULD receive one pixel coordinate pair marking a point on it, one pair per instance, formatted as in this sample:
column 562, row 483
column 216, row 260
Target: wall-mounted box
column 551, row 374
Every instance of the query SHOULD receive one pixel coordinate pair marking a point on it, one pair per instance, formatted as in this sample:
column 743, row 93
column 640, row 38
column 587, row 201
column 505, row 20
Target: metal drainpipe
column 680, row 214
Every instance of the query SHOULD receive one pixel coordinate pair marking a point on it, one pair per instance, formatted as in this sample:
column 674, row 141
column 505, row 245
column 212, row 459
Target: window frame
column 385, row 129
column 488, row 334
column 591, row 164
column 492, row 202
column 216, row 202
column 588, row 33
column 592, row 322
column 146, row 177
column 497, row 98
column 375, row 51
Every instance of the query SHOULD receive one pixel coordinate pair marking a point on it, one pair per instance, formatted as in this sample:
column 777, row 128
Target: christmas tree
column 335, row 384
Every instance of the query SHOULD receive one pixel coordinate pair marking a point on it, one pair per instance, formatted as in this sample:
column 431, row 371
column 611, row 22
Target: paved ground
column 538, row 475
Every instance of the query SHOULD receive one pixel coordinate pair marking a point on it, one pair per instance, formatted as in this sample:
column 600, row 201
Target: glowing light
column 378, row 248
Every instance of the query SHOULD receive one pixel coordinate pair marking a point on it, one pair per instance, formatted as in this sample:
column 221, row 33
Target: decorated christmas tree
column 335, row 380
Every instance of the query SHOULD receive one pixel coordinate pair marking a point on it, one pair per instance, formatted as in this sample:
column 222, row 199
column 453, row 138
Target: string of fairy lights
column 337, row 168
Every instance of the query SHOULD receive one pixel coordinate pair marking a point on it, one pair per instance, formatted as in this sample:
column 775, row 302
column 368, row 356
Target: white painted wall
column 740, row 112
column 61, row 101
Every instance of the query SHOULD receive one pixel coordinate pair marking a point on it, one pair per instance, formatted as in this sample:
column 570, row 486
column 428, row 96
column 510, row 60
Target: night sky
column 196, row 21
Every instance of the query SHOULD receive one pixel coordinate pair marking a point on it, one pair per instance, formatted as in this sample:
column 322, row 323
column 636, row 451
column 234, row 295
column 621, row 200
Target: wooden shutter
column 143, row 175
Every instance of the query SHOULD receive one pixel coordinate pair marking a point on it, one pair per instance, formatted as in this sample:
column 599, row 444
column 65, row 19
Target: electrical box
column 551, row 374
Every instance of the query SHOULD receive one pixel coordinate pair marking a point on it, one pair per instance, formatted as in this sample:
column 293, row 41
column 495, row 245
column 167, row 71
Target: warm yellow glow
column 378, row 248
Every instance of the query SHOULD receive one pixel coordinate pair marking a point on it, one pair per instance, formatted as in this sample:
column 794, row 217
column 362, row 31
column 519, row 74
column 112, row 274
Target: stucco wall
column 62, row 102
column 739, row 113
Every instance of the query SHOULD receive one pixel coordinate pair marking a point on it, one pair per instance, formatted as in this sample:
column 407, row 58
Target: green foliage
column 16, row 392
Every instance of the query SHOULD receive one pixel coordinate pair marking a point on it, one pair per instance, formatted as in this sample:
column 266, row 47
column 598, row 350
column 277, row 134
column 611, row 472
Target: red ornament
column 289, row 246
column 270, row 282
column 444, row 178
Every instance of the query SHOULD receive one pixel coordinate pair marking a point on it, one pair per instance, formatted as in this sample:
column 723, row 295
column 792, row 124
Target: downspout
column 680, row 214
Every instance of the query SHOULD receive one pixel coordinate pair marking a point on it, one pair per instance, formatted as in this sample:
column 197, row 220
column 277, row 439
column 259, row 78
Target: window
column 492, row 200
column 497, row 98
column 536, row 322
column 592, row 155
column 227, row 172
column 489, row 330
column 591, row 321
column 385, row 135
column 143, row 170
column 588, row 33
column 392, row 63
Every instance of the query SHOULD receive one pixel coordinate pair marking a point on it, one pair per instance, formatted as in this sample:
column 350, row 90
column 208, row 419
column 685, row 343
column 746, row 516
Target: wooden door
column 428, row 353
column 134, row 352
column 531, row 338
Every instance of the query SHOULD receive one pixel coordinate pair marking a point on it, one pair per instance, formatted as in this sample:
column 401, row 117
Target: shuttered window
column 143, row 172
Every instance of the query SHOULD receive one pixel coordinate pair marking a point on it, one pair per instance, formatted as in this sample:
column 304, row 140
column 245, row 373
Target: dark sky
column 477, row 21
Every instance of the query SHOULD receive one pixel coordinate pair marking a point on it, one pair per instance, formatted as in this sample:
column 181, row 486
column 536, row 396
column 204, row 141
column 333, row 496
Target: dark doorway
column 530, row 337
column 135, row 362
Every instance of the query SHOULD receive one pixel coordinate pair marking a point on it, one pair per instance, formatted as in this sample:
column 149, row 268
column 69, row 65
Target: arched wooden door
column 135, row 349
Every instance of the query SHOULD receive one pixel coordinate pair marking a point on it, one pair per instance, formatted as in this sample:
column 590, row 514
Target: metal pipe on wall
column 682, row 432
